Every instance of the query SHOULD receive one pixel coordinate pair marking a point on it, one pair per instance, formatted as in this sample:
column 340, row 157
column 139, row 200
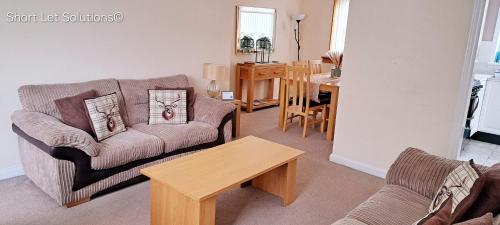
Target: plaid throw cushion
column 104, row 116
column 459, row 183
column 167, row 106
column 459, row 189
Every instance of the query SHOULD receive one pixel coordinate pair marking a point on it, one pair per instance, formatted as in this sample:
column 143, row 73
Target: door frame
column 465, row 88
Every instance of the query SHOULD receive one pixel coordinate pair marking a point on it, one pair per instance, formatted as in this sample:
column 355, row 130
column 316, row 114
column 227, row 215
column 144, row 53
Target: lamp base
column 213, row 90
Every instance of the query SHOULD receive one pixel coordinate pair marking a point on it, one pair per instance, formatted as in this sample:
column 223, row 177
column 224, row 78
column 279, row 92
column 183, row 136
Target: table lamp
column 212, row 72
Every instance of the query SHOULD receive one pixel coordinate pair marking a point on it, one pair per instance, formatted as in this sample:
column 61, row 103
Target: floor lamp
column 298, row 18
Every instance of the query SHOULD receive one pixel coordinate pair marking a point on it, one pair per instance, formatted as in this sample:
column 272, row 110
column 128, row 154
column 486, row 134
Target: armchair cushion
column 181, row 135
column 211, row 111
column 53, row 132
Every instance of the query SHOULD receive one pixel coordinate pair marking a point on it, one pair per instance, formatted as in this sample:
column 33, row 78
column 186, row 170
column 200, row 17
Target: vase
column 336, row 72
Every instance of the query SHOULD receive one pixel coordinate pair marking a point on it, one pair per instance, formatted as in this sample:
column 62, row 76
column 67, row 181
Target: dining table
column 322, row 82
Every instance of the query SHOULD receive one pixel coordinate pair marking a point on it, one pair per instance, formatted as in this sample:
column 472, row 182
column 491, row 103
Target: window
column 255, row 23
column 339, row 25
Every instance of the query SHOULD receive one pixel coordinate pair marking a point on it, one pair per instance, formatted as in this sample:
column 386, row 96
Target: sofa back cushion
column 421, row 172
column 136, row 97
column 40, row 98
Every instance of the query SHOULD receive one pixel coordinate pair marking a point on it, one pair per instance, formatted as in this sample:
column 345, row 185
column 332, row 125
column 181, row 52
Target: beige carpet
column 326, row 191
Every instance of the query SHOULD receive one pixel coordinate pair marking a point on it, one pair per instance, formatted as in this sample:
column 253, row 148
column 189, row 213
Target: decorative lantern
column 262, row 45
column 247, row 44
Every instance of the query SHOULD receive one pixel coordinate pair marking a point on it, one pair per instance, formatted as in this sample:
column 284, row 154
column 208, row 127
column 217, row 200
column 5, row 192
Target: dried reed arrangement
column 336, row 58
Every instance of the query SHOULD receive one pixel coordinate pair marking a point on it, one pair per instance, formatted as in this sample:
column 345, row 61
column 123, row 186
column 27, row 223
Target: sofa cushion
column 104, row 116
column 182, row 135
column 441, row 216
column 486, row 219
column 126, row 147
column 348, row 221
column 464, row 184
column 40, row 98
column 391, row 205
column 167, row 107
column 489, row 198
column 421, row 172
column 73, row 112
column 135, row 93
column 191, row 98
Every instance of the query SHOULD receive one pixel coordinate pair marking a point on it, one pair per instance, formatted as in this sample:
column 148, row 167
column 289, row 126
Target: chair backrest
column 300, row 63
column 297, row 87
column 315, row 66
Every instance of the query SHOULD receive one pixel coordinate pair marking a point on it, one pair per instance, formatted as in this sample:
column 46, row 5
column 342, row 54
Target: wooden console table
column 252, row 72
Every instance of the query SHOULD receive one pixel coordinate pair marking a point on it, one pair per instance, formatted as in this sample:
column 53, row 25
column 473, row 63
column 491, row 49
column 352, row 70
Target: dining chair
column 302, row 63
column 315, row 66
column 297, row 92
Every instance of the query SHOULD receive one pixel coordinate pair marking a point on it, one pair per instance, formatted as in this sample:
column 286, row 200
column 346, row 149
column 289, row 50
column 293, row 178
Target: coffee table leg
column 169, row 206
column 280, row 182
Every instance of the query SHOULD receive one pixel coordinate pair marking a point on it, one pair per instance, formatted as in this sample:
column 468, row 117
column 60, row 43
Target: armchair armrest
column 420, row 171
column 53, row 132
column 211, row 111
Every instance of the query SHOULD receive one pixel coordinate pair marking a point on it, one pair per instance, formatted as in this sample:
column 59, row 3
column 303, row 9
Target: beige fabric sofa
column 411, row 183
column 70, row 166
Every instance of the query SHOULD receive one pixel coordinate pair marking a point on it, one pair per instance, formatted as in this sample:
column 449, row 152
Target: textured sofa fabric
column 136, row 94
column 421, row 172
column 411, row 183
column 56, row 177
column 181, row 135
column 211, row 111
column 126, row 147
column 53, row 132
column 392, row 205
column 40, row 98
column 69, row 165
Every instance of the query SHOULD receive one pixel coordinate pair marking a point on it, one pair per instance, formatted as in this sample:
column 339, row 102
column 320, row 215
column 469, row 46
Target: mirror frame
column 238, row 49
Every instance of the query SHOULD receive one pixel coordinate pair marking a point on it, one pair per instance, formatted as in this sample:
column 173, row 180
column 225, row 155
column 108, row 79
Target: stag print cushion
column 462, row 186
column 104, row 116
column 167, row 107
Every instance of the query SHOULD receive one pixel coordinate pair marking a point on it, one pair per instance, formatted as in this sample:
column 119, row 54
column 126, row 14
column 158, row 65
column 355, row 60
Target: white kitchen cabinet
column 474, row 123
column 489, row 119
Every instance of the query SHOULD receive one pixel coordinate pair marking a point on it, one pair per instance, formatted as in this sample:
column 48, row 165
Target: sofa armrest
column 53, row 132
column 211, row 111
column 420, row 171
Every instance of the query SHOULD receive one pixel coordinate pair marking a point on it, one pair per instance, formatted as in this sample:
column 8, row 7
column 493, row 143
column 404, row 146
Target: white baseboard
column 358, row 166
column 12, row 171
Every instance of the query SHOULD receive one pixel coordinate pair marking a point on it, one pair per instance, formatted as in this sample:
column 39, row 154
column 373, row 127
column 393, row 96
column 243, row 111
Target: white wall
column 316, row 28
column 157, row 37
column 401, row 80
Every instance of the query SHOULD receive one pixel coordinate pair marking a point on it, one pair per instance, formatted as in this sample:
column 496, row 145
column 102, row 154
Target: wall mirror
column 256, row 29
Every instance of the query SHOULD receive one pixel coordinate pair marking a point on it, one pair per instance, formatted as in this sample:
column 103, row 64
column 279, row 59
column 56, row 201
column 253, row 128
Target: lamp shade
column 299, row 17
column 213, row 71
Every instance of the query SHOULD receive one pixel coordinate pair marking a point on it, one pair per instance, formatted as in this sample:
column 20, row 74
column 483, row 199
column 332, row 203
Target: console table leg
column 169, row 206
column 280, row 182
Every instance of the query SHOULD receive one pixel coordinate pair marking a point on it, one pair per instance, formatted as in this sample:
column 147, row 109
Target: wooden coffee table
column 183, row 190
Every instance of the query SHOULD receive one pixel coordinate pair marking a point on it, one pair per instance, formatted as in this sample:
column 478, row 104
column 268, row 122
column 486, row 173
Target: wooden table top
column 207, row 173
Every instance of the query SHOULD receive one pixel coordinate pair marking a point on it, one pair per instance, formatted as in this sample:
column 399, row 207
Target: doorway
column 481, row 138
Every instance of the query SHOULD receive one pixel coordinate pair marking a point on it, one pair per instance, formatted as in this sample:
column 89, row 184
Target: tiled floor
column 483, row 153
